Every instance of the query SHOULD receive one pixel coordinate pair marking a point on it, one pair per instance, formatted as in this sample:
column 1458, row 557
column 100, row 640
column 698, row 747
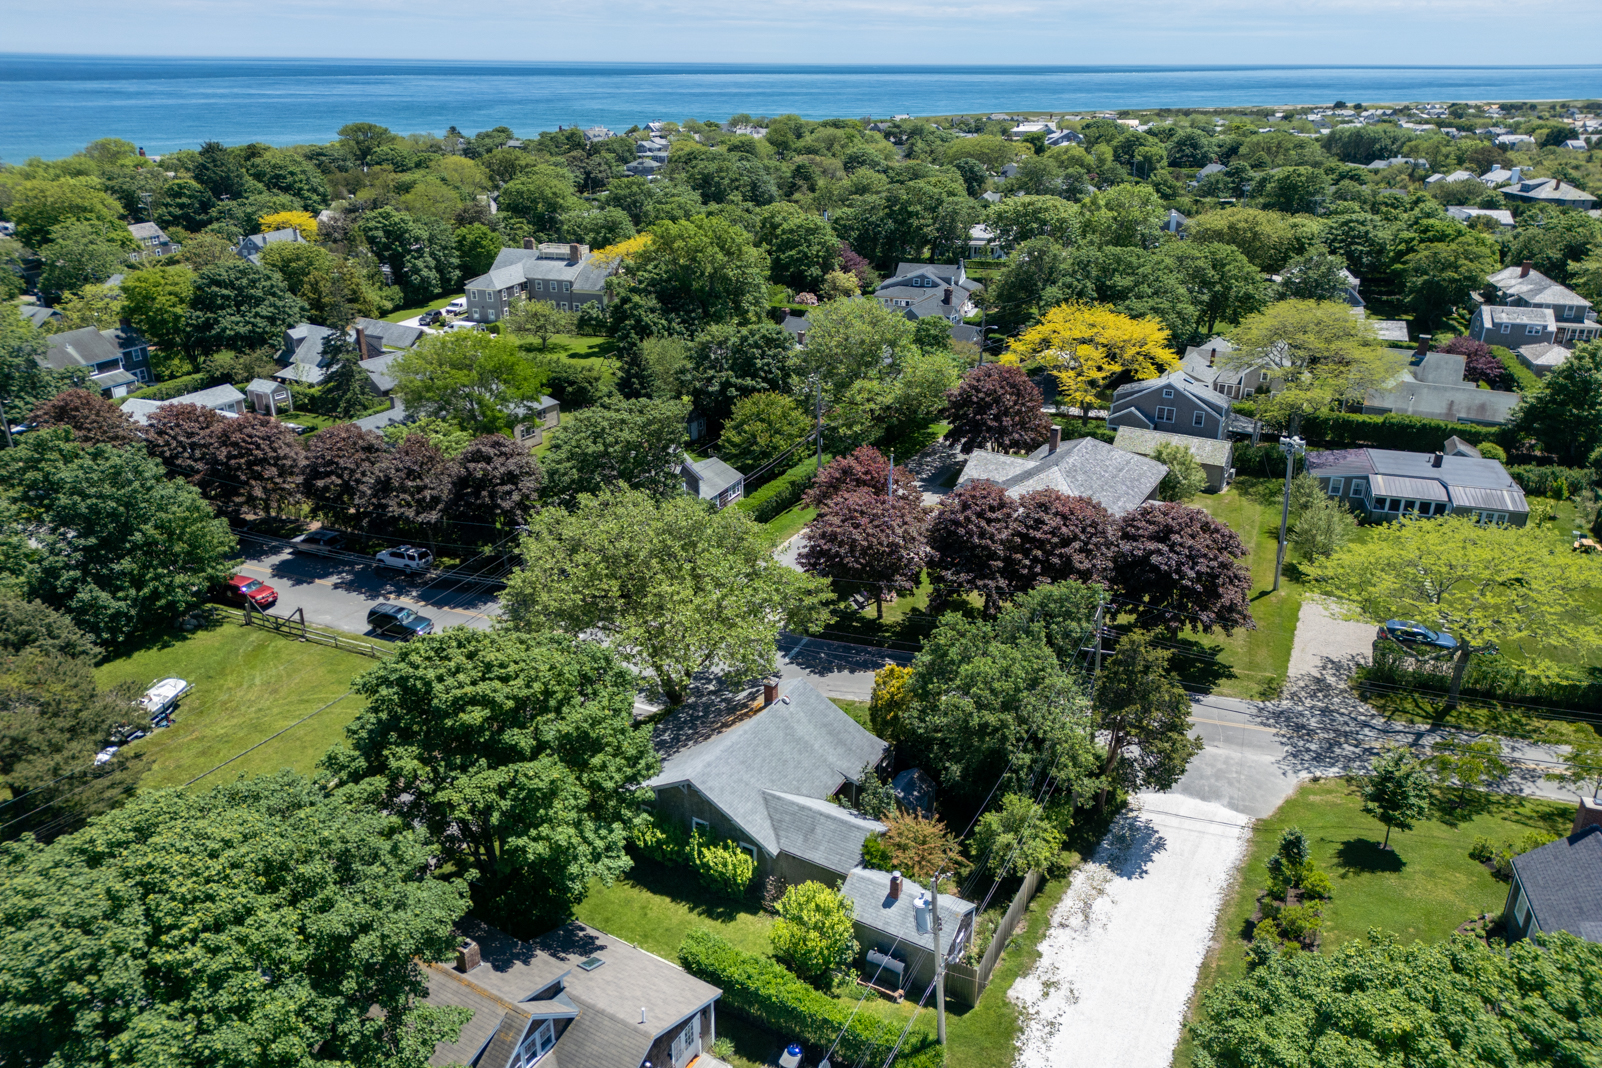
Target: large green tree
column 24, row 381
column 728, row 362
column 701, row 271
column 102, row 535
column 1488, row 586
column 236, row 305
column 1223, row 285
column 482, row 383
column 518, row 752
column 1318, row 350
column 803, row 251
column 81, row 254
column 680, row 587
column 541, row 196
column 850, row 341
column 636, row 443
column 1564, row 413
column 1534, row 1003
column 258, row 923
column 1145, row 715
column 1442, row 275
column 38, row 206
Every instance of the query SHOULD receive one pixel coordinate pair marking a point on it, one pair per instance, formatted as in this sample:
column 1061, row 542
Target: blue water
column 52, row 106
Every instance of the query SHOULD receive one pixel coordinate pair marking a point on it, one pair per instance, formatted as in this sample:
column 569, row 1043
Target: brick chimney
column 1589, row 814
column 572, row 253
column 1053, row 440
column 770, row 692
column 895, row 886
column 1524, row 269
column 528, row 243
column 1212, row 357
column 467, row 957
column 948, row 294
column 1435, row 461
column 361, row 342
column 1423, row 345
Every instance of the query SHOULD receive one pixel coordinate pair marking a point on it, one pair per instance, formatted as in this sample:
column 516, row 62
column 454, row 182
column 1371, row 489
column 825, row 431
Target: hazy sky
column 1065, row 32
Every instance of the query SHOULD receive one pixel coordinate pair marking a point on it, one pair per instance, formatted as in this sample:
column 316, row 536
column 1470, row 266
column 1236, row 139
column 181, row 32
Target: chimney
column 1435, row 461
column 1053, row 440
column 361, row 342
column 572, row 253
column 1524, row 269
column 528, row 243
column 948, row 294
column 770, row 692
column 1423, row 345
column 467, row 957
column 895, row 886
column 1589, row 814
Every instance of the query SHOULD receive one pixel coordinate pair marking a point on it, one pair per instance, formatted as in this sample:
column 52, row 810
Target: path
column 1126, row 941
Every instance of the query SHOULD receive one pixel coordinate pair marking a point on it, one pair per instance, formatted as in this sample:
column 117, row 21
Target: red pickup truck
column 241, row 588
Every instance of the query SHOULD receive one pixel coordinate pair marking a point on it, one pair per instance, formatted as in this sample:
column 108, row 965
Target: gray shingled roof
column 1117, row 480
column 83, row 347
column 1470, row 481
column 1535, row 287
column 390, row 335
column 396, row 413
column 1453, row 402
column 377, row 369
column 713, row 475
column 1562, row 881
column 449, row 988
column 817, row 830
column 1544, row 354
column 514, row 266
column 801, row 745
column 1144, row 443
column 869, row 893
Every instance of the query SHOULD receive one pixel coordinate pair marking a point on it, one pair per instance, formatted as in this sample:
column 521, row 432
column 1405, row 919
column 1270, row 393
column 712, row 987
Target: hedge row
column 1489, row 676
column 1407, row 433
column 721, row 866
column 173, row 387
column 783, row 493
column 764, row 992
column 1075, row 427
column 1523, row 377
column 1545, row 481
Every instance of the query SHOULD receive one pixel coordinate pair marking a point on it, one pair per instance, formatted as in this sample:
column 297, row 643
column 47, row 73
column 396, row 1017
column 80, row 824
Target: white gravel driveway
column 1127, row 940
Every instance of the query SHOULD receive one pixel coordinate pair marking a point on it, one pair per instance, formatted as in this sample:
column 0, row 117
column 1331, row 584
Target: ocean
column 52, row 106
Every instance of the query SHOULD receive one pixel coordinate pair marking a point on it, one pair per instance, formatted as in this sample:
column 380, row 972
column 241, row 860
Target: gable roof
column 1544, row 354
column 1180, row 379
column 83, row 347
column 1562, row 882
column 250, row 247
column 802, row 745
column 608, row 1000
column 514, row 266
column 377, row 369
column 712, row 476
column 390, row 335
column 1117, row 480
column 869, row 893
column 818, row 830
column 1534, row 287
column 1467, row 481
column 1214, row 451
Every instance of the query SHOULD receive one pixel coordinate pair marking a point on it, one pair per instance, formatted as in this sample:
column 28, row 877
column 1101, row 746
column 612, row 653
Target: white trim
column 1336, row 485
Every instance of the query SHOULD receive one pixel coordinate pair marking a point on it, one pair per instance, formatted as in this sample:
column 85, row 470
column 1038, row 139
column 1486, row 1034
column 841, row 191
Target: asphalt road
column 338, row 594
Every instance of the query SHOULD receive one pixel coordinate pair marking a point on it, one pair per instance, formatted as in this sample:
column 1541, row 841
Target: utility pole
column 984, row 317
column 819, row 430
column 5, row 424
column 940, row 958
column 1292, row 447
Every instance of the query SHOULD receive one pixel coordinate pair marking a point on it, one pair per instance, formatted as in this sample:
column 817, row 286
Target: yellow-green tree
column 1086, row 345
column 891, row 699
column 303, row 221
column 1318, row 351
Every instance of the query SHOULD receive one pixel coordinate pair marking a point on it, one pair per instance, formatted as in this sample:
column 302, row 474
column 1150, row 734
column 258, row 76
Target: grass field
column 1421, row 889
column 248, row 685
column 400, row 314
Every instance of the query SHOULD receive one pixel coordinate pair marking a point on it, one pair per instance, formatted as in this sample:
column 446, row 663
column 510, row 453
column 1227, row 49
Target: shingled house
column 566, row 275
column 1558, row 886
column 576, row 997
column 1384, row 484
column 1117, row 480
column 766, row 785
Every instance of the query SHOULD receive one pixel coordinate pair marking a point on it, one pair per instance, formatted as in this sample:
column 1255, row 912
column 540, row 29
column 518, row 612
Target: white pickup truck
column 405, row 558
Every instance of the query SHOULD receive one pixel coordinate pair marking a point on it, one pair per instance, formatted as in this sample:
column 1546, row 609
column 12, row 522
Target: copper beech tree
column 996, row 407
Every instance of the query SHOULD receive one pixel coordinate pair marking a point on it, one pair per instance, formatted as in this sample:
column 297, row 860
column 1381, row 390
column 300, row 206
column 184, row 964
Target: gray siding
column 1184, row 410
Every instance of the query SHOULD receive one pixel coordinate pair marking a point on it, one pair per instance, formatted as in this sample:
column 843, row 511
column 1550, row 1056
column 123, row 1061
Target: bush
column 783, row 493
column 1409, row 433
column 1315, row 884
column 1555, row 482
column 813, row 934
column 722, row 867
column 762, row 991
column 1299, row 922
column 1490, row 450
column 663, row 843
column 1524, row 379
column 1490, row 676
column 1263, row 948
column 875, row 854
column 1482, row 850
column 173, row 387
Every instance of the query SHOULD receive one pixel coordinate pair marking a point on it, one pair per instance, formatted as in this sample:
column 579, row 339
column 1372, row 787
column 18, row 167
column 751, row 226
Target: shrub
column 1482, row 850
column 1409, row 433
column 664, row 843
column 1185, row 477
column 173, row 387
column 1293, row 847
column 722, row 867
column 921, row 845
column 813, row 932
column 1299, row 922
column 1554, row 482
column 1263, row 948
column 1490, row 450
column 875, row 854
column 1315, row 884
column 783, row 493
column 764, row 992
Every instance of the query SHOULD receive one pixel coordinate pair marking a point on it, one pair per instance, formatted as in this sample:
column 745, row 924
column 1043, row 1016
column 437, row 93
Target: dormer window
column 1168, row 393
column 538, row 1043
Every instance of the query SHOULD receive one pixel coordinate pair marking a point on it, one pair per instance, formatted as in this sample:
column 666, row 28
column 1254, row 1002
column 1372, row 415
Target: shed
column 1216, row 456
column 914, row 790
column 713, row 480
column 887, row 920
column 269, row 397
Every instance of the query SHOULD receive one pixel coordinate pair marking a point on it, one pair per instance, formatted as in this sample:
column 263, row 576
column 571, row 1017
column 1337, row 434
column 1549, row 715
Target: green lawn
column 249, row 684
column 788, row 524
column 655, row 906
column 1249, row 662
column 1422, row 889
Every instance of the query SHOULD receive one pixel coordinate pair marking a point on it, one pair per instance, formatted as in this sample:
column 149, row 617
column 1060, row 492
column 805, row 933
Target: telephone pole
column 940, row 958
column 1292, row 447
column 819, row 430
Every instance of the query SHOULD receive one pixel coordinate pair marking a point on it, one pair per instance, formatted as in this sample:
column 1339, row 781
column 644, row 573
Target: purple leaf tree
column 1177, row 567
column 868, row 538
column 1056, row 537
column 996, row 407
column 970, row 539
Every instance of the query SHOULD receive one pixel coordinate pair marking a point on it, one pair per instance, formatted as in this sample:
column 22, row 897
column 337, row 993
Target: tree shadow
column 1198, row 663
column 1260, row 490
column 681, row 886
column 1364, row 855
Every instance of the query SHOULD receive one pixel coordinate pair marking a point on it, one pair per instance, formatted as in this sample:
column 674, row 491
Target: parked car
column 397, row 621
column 105, row 755
column 161, row 700
column 319, row 541
column 1408, row 632
column 300, row 429
column 405, row 558
column 463, row 324
column 242, row 588
column 457, row 307
column 429, row 318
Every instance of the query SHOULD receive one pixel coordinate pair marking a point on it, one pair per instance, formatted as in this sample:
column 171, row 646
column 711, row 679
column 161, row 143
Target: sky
column 1048, row 32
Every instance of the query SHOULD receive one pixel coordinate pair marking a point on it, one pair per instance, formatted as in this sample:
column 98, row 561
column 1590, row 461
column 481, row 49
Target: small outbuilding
column 892, row 925
column 1215, row 456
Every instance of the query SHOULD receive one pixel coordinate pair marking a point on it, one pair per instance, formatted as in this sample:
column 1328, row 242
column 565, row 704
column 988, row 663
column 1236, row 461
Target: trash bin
column 791, row 1058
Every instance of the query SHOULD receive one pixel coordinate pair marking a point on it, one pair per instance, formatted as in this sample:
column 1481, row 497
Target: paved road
column 338, row 594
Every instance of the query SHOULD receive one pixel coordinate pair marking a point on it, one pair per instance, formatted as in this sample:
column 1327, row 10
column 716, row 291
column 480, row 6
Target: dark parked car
column 398, row 621
column 429, row 318
column 319, row 541
column 1410, row 633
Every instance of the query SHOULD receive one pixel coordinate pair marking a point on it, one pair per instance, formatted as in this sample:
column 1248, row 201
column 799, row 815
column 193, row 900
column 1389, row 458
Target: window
column 1532, row 329
column 1360, row 488
column 538, row 1043
column 750, row 851
column 1198, row 419
column 699, row 825
column 1507, row 328
column 1262, row 376
column 1395, row 505
column 1165, row 415
column 1167, row 393
column 567, row 287
column 539, row 285
column 1568, row 311
column 1335, row 486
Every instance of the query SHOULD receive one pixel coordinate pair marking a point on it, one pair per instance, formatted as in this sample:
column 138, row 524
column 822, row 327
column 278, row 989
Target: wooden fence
column 966, row 982
column 295, row 626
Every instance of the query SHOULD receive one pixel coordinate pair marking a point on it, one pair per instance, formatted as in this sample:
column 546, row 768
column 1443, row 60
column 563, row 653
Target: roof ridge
column 457, row 977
